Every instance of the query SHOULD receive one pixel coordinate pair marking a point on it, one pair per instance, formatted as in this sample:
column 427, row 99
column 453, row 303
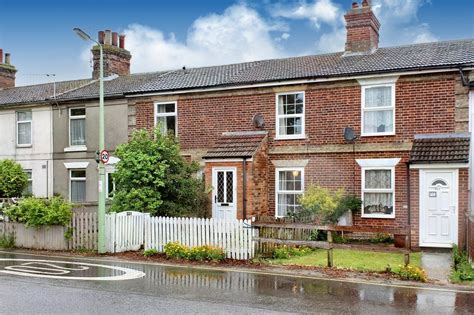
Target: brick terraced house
column 265, row 130
column 389, row 124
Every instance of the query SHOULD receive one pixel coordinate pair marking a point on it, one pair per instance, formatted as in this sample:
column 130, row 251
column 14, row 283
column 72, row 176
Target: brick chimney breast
column 362, row 29
column 7, row 72
column 116, row 57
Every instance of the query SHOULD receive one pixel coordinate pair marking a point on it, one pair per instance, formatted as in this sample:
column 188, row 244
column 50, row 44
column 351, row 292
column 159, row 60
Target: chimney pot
column 365, row 3
column 108, row 37
column 122, row 41
column 7, row 58
column 101, row 37
column 355, row 5
column 114, row 39
column 1, row 56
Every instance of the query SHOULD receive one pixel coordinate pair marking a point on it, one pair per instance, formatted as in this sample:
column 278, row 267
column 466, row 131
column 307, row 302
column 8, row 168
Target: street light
column 101, row 210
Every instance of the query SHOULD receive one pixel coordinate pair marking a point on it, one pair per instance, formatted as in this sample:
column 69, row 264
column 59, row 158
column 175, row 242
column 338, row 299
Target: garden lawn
column 353, row 259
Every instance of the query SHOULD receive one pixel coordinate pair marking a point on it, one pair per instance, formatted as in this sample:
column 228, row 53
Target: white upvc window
column 110, row 184
column 166, row 117
column 77, row 185
column 29, row 186
column 378, row 187
column 290, row 115
column 77, row 126
column 289, row 187
column 378, row 109
column 23, row 128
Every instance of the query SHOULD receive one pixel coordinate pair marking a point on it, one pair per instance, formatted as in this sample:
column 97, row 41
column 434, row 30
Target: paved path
column 37, row 284
column 437, row 265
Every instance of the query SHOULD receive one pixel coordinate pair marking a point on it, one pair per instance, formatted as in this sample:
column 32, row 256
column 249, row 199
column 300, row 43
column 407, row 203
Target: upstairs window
column 23, row 128
column 165, row 118
column 378, row 110
column 290, row 116
column 77, row 127
column 289, row 188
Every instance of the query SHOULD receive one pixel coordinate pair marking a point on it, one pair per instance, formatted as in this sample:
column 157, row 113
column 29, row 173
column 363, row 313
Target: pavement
column 437, row 265
column 42, row 284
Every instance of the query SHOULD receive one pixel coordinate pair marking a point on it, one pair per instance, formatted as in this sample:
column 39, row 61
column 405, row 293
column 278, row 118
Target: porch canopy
column 230, row 145
column 440, row 148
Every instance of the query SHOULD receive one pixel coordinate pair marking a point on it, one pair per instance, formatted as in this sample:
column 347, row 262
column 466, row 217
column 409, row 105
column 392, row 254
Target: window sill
column 24, row 146
column 79, row 148
column 378, row 216
column 290, row 138
column 378, row 134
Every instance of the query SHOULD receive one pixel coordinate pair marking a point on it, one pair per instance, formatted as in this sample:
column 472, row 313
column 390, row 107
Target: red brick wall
column 424, row 104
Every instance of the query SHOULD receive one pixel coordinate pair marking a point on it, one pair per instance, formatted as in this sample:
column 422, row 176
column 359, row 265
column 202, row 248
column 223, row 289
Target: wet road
column 36, row 284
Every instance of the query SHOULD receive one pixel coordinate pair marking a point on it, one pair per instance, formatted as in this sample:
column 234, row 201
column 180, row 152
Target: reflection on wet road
column 185, row 290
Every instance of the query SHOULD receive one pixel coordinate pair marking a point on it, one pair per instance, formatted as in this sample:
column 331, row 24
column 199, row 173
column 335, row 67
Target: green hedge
column 34, row 211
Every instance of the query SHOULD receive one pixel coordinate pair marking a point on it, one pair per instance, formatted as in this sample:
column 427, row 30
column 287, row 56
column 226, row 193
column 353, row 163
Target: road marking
column 49, row 269
column 257, row 272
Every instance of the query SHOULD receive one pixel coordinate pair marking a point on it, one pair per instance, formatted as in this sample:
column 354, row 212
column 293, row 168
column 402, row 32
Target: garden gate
column 125, row 231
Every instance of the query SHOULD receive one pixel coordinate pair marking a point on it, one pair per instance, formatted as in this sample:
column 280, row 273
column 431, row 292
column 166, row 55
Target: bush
column 36, row 212
column 327, row 206
column 381, row 238
column 412, row 273
column 176, row 250
column 7, row 241
column 13, row 179
column 153, row 177
column 150, row 252
column 286, row 252
column 206, row 252
column 462, row 269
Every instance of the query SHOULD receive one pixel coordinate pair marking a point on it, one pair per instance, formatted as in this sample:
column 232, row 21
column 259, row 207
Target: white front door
column 224, row 198
column 438, row 208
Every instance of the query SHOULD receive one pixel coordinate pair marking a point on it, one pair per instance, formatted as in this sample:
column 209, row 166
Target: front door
column 224, row 203
column 438, row 208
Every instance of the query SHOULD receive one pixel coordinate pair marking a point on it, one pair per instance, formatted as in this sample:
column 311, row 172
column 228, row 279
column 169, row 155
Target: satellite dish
column 258, row 121
column 349, row 134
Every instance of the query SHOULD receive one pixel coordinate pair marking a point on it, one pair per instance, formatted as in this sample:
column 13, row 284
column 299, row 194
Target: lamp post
column 101, row 210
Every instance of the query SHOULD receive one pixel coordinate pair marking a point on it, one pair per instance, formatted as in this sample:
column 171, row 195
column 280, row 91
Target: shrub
column 412, row 273
column 36, row 212
column 176, row 250
column 7, row 241
column 13, row 179
column 381, row 238
column 150, row 252
column 462, row 269
column 152, row 176
column 206, row 252
column 327, row 206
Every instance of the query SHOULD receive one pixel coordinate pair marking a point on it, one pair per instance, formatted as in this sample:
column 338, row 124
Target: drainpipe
column 244, row 187
column 409, row 204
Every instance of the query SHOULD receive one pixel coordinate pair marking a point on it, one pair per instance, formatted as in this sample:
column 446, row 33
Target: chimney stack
column 116, row 57
column 362, row 28
column 7, row 72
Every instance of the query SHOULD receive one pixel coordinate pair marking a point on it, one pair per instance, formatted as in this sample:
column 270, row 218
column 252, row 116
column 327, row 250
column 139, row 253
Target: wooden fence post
column 330, row 254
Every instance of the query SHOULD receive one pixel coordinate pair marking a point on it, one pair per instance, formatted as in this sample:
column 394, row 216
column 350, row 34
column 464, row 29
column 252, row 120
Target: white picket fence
column 128, row 231
column 235, row 237
column 85, row 230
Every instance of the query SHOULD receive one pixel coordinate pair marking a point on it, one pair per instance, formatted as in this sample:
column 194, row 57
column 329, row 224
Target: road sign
column 104, row 156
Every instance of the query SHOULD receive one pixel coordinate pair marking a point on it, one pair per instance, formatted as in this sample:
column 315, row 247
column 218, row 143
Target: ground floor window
column 77, row 185
column 289, row 187
column 29, row 186
column 110, row 184
column 378, row 192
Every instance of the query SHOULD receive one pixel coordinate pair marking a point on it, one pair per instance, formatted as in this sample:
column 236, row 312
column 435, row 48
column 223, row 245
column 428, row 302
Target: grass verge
column 353, row 259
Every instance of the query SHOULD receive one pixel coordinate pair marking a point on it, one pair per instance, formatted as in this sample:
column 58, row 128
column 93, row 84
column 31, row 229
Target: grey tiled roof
column 443, row 148
column 391, row 59
column 419, row 56
column 37, row 93
column 236, row 145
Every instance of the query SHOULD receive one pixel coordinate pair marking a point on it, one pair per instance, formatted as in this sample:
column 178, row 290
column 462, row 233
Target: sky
column 163, row 35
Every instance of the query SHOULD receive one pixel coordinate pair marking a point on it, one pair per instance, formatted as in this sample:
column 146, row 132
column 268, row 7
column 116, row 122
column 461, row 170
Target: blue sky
column 169, row 34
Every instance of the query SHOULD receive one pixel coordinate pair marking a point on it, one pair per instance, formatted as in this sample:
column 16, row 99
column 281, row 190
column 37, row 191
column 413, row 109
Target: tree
column 153, row 177
column 13, row 179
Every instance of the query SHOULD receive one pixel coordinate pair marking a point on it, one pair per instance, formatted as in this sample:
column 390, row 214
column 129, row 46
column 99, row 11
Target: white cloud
column 239, row 34
column 320, row 11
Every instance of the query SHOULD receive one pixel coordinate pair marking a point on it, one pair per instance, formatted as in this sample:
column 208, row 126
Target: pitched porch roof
column 236, row 145
column 440, row 148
